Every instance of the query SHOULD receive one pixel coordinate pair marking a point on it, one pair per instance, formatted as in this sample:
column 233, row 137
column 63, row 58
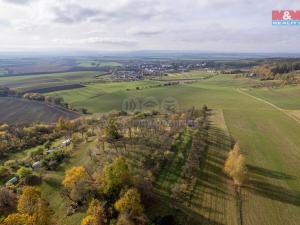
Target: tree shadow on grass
column 52, row 182
column 219, row 139
column 273, row 192
column 258, row 184
column 183, row 214
column 269, row 173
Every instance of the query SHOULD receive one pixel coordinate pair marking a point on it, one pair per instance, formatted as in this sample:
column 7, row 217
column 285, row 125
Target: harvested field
column 16, row 110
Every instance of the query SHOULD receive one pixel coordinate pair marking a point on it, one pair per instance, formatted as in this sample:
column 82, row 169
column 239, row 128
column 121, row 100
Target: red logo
column 286, row 15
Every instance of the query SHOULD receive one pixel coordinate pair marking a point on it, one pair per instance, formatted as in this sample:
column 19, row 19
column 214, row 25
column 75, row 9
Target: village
column 139, row 71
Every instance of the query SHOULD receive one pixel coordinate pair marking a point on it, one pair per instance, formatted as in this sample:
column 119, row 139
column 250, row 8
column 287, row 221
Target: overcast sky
column 202, row 25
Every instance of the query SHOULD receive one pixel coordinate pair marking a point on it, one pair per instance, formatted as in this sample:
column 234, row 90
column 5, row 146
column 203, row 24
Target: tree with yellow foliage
column 76, row 182
column 32, row 210
column 73, row 176
column 28, row 201
column 17, row 219
column 124, row 219
column 42, row 214
column 130, row 203
column 235, row 165
column 95, row 214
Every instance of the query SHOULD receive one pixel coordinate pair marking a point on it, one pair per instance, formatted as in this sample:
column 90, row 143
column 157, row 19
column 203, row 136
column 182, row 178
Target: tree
column 42, row 214
column 130, row 203
column 124, row 219
column 28, row 201
column 73, row 175
column 75, row 182
column 89, row 220
column 235, row 166
column 7, row 201
column 114, row 176
column 111, row 130
column 95, row 214
column 17, row 219
column 64, row 126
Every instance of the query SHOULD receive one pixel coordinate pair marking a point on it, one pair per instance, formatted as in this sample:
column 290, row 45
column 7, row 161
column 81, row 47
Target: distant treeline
column 276, row 70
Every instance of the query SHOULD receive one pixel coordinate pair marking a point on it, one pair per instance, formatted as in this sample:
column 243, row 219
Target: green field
column 285, row 97
column 105, row 97
column 268, row 138
column 28, row 82
column 96, row 63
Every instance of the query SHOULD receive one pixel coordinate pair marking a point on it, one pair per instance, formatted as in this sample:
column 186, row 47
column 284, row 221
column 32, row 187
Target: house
column 50, row 150
column 66, row 142
column 13, row 180
column 36, row 165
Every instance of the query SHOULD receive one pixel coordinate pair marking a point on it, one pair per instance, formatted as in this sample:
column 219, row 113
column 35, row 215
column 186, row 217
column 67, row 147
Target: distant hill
column 17, row 110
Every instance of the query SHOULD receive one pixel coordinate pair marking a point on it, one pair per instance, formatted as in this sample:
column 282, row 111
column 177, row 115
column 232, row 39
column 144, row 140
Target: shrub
column 24, row 172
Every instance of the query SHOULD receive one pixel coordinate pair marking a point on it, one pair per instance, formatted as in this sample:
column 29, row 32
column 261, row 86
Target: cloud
column 147, row 24
column 94, row 40
column 145, row 31
column 73, row 13
column 19, row 2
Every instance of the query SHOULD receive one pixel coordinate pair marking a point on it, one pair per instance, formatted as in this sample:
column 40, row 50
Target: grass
column 95, row 63
column 28, row 82
column 104, row 97
column 52, row 184
column 286, row 97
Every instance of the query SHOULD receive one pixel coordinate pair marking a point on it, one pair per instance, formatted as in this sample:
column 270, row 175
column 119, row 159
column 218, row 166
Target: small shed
column 50, row 150
column 13, row 180
column 36, row 165
column 66, row 142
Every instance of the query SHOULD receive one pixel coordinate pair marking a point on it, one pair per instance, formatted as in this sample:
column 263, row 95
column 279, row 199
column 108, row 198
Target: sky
column 130, row 25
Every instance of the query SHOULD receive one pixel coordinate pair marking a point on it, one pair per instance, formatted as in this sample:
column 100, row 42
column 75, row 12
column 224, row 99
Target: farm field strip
column 286, row 112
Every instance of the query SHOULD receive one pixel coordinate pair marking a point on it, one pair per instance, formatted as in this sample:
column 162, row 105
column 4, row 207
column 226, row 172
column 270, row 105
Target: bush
column 32, row 180
column 14, row 164
column 34, row 96
column 24, row 172
column 4, row 172
column 36, row 154
column 52, row 160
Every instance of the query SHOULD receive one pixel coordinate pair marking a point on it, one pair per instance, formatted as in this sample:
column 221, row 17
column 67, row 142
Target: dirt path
column 271, row 104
